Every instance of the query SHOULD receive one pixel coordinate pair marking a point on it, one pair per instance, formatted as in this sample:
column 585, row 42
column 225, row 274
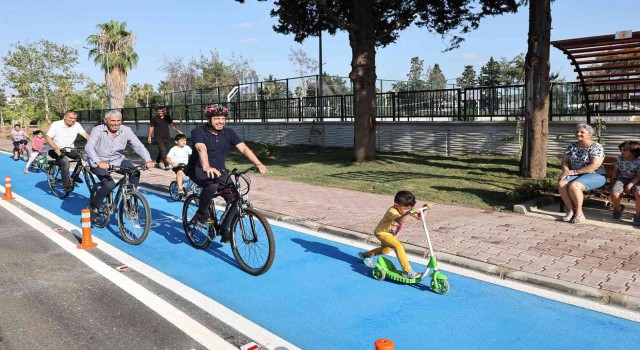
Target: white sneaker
column 411, row 274
column 366, row 261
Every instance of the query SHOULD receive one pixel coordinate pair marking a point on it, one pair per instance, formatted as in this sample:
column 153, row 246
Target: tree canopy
column 372, row 24
column 38, row 69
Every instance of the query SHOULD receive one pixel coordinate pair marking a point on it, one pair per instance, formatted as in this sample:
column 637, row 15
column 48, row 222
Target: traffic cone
column 7, row 189
column 87, row 243
column 384, row 344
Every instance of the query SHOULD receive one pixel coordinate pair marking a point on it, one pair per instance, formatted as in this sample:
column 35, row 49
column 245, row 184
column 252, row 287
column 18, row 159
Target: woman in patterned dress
column 582, row 171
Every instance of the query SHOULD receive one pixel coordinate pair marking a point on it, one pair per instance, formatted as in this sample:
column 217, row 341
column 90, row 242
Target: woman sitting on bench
column 582, row 171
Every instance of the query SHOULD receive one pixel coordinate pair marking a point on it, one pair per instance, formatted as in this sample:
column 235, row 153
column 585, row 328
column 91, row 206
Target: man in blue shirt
column 211, row 142
column 106, row 147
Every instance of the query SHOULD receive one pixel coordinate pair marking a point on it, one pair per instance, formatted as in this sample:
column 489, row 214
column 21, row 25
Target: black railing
column 502, row 103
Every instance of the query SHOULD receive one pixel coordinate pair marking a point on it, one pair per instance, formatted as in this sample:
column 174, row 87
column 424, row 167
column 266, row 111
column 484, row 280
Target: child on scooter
column 178, row 157
column 36, row 148
column 388, row 229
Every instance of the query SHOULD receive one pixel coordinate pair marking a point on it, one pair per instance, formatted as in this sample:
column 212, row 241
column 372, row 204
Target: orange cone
column 384, row 344
column 87, row 243
column 7, row 189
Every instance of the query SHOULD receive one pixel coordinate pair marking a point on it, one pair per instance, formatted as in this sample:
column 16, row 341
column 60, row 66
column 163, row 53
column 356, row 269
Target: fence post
column 394, row 110
column 462, row 99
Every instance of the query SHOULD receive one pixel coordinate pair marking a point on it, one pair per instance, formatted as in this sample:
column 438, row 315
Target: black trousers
column 163, row 147
column 64, row 158
column 108, row 184
column 209, row 189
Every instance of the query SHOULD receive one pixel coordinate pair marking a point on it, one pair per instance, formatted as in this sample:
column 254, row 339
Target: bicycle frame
column 121, row 187
column 236, row 202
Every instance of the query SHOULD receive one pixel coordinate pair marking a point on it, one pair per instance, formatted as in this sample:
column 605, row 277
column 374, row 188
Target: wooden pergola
column 608, row 68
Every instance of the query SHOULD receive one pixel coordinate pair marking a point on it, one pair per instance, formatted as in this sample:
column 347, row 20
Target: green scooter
column 384, row 268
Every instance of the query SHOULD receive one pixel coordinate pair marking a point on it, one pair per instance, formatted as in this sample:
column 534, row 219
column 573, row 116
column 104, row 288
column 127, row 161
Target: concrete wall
column 434, row 137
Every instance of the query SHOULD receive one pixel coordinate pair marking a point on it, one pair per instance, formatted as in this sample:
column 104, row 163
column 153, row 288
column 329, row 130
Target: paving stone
column 625, row 274
column 591, row 281
column 611, row 263
column 552, row 272
column 572, row 275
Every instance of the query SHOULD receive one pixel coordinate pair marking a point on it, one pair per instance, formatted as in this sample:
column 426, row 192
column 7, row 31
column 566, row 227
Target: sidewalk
column 598, row 260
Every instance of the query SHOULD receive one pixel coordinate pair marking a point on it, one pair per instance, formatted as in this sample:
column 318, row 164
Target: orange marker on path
column 87, row 243
column 384, row 344
column 7, row 189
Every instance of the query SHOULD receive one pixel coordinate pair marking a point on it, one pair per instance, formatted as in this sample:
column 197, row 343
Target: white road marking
column 185, row 323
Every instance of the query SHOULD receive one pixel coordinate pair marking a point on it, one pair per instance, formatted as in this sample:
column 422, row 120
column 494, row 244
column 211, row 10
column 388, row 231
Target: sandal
column 578, row 219
column 617, row 214
column 568, row 217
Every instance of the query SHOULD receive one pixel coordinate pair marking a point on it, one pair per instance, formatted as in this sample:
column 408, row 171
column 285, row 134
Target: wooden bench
column 608, row 163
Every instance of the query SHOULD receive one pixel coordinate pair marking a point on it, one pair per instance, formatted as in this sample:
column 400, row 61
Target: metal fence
column 502, row 103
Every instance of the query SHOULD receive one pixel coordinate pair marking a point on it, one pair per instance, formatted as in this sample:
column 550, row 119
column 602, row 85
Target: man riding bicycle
column 62, row 135
column 211, row 142
column 106, row 147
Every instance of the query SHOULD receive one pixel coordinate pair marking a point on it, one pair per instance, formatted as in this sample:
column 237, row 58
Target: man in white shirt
column 61, row 137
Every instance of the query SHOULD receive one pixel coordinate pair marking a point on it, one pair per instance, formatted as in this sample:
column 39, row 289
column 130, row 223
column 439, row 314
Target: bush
column 530, row 189
column 266, row 151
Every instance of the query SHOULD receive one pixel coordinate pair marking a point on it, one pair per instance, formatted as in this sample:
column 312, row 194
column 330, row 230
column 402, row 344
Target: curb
column 524, row 208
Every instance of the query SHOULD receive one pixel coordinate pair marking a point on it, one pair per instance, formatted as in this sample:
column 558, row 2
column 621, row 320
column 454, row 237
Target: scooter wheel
column 379, row 274
column 440, row 286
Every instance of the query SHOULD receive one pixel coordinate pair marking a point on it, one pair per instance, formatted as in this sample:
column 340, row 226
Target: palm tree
column 147, row 91
column 101, row 92
column 113, row 52
column 64, row 91
column 135, row 92
column 91, row 88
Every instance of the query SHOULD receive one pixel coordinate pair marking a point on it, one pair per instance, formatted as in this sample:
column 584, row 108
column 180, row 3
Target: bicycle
column 54, row 173
column 134, row 213
column 39, row 164
column 187, row 183
column 251, row 236
column 23, row 150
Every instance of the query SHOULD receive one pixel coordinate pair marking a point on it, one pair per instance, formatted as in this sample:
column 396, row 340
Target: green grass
column 474, row 181
column 486, row 182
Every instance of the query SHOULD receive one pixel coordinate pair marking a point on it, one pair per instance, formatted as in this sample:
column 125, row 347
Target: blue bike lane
column 318, row 295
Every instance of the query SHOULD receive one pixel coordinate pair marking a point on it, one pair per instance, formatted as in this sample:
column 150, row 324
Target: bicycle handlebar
column 126, row 169
column 235, row 171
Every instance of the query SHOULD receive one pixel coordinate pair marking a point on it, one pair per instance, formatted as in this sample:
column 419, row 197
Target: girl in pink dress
column 36, row 148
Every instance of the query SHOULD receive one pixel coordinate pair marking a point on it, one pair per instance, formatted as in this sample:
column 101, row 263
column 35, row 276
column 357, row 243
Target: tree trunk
column 117, row 85
column 537, row 86
column 363, row 77
column 46, row 106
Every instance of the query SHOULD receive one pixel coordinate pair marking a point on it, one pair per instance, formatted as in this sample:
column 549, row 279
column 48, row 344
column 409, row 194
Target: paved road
column 50, row 299
column 317, row 294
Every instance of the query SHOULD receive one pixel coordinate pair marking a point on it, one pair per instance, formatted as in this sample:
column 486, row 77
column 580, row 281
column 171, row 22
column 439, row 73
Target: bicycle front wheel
column 25, row 154
column 173, row 191
column 54, row 179
column 134, row 218
column 252, row 242
column 199, row 235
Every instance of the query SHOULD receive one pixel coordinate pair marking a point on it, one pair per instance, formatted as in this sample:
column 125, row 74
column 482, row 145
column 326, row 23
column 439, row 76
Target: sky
column 189, row 28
